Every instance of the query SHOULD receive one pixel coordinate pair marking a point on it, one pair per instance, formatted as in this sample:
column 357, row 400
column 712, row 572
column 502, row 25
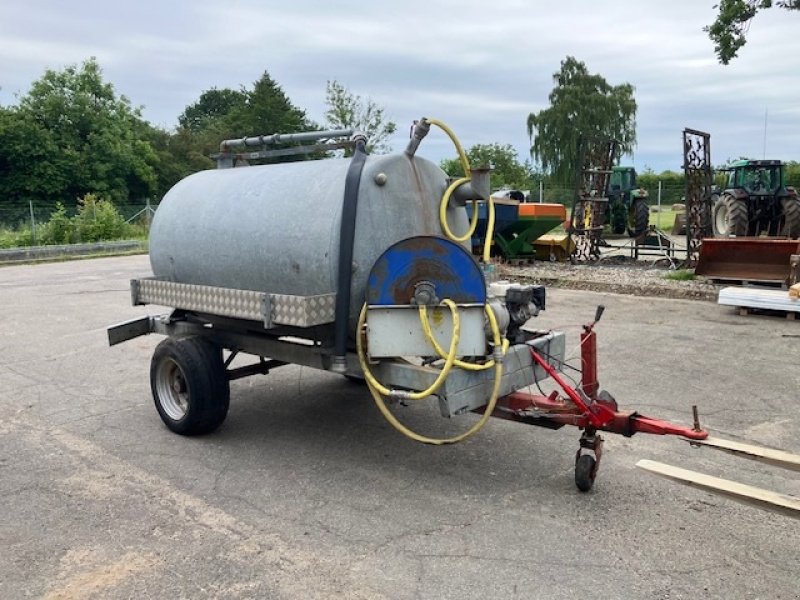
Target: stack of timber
column 759, row 298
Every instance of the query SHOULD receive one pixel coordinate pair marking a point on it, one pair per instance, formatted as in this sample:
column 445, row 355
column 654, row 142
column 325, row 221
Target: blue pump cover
column 452, row 271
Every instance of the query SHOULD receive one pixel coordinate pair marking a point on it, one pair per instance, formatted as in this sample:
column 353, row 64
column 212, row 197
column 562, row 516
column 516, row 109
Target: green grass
column 680, row 275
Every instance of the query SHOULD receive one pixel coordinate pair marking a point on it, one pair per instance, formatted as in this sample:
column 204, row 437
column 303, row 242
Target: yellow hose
column 462, row 156
column 377, row 390
column 487, row 244
column 434, row 387
column 443, row 213
column 487, row 241
column 426, row 327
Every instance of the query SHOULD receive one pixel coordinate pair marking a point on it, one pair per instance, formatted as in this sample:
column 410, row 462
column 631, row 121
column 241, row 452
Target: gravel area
column 616, row 275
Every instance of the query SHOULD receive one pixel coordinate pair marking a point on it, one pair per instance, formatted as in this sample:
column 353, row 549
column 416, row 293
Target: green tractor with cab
column 627, row 203
column 756, row 200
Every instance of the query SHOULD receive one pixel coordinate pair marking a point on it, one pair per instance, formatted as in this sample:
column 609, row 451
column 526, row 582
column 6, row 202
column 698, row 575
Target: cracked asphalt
column 305, row 491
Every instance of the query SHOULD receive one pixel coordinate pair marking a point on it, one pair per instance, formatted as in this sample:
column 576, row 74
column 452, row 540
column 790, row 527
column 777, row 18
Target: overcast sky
column 481, row 67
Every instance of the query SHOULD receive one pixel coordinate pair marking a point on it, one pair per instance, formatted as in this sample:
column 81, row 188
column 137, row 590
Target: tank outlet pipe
column 284, row 138
column 418, row 132
column 347, row 233
column 478, row 187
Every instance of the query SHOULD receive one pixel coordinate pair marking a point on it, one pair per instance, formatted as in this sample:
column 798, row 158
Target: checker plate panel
column 278, row 309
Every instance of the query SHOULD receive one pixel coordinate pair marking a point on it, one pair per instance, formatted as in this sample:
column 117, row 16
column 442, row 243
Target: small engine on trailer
column 514, row 304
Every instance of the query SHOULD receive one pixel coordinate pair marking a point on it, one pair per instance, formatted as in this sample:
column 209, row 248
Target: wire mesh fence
column 44, row 224
column 667, row 192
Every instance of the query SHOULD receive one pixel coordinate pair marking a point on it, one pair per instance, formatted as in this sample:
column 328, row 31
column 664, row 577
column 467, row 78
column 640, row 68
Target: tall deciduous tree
column 72, row 135
column 507, row 171
column 347, row 110
column 581, row 103
column 729, row 29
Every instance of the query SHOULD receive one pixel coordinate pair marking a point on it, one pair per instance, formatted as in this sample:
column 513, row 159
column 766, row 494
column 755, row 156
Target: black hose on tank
column 347, row 234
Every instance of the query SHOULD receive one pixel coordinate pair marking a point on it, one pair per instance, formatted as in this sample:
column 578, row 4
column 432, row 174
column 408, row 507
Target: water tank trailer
column 353, row 265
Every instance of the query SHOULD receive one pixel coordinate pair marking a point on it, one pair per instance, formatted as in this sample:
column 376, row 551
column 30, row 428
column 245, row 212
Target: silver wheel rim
column 721, row 219
column 173, row 393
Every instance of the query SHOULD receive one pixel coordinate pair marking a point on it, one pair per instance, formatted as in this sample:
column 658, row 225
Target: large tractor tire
column 791, row 217
column 729, row 217
column 638, row 218
column 618, row 220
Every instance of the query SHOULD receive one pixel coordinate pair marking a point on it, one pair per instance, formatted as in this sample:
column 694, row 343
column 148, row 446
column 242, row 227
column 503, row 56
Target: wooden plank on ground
column 778, row 458
column 747, row 494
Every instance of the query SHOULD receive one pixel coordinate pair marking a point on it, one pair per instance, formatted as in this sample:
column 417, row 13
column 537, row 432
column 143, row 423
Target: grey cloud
column 481, row 67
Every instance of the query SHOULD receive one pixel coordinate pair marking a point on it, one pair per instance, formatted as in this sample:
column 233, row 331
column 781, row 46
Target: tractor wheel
column 729, row 217
column 618, row 219
column 791, row 217
column 638, row 218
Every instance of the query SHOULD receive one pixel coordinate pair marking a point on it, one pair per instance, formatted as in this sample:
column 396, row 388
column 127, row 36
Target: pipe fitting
column 418, row 132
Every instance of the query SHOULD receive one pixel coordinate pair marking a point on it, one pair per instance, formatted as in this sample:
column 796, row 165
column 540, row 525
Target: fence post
column 33, row 222
column 541, row 191
column 148, row 216
column 658, row 217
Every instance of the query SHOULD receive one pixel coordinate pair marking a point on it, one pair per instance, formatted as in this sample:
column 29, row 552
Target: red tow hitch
column 587, row 408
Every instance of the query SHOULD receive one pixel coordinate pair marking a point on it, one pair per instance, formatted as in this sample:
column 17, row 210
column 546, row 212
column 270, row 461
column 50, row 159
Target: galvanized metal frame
column 462, row 392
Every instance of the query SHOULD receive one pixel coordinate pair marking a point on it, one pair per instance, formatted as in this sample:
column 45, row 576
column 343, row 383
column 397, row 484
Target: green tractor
column 627, row 203
column 755, row 200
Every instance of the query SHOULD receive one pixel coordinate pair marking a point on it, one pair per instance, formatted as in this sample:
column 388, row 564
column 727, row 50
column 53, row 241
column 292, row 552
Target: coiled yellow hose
column 487, row 243
column 426, row 327
column 378, row 390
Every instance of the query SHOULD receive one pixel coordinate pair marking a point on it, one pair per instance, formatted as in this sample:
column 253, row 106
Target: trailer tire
column 730, row 217
column 791, row 217
column 639, row 218
column 585, row 472
column 189, row 385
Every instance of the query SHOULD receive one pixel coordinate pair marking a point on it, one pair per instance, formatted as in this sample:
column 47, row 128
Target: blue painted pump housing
column 438, row 267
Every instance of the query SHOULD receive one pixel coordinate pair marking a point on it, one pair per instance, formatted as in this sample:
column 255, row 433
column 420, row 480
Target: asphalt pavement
column 306, row 492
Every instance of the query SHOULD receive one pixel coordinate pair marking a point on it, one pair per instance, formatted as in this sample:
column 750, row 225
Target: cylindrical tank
column 275, row 228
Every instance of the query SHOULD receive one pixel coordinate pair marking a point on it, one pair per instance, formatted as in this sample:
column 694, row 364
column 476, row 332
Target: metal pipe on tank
column 284, row 138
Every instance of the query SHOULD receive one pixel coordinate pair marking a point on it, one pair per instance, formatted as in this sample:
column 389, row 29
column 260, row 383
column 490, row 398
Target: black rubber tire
column 585, row 472
column 195, row 366
column 729, row 217
column 639, row 218
column 618, row 220
column 791, row 217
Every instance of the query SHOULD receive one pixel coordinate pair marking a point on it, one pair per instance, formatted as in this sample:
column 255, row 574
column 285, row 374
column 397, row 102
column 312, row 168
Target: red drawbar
column 583, row 408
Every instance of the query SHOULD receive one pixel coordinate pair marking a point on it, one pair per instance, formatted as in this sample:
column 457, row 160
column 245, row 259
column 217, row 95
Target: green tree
column 581, row 103
column 507, row 171
column 71, row 134
column 350, row 111
column 212, row 105
column 729, row 29
column 228, row 114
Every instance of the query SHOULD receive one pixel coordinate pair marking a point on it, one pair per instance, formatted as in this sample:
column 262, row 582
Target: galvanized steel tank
column 275, row 228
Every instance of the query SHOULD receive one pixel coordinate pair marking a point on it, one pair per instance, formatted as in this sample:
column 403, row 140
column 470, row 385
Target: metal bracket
column 266, row 310
column 135, row 293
